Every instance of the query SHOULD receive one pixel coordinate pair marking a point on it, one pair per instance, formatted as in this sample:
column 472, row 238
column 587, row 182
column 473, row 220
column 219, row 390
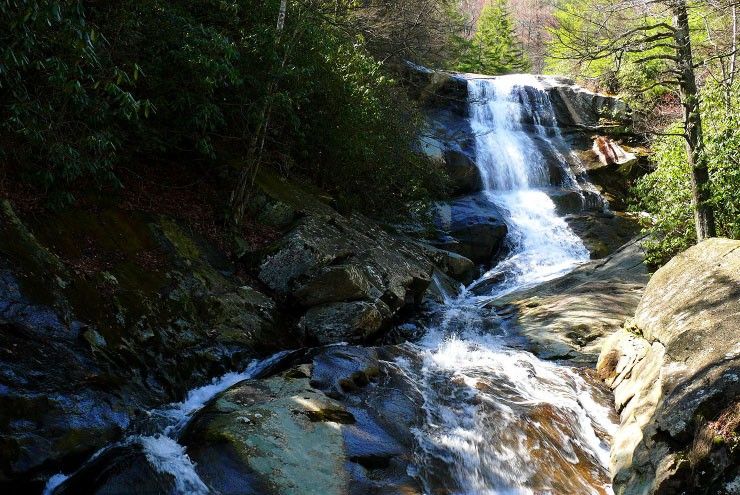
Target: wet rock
column 292, row 438
column 339, row 424
column 566, row 201
column 120, row 469
column 462, row 171
column 355, row 322
column 339, row 370
column 278, row 431
column 442, row 289
column 472, row 227
column 675, row 372
column 569, row 318
column 451, row 264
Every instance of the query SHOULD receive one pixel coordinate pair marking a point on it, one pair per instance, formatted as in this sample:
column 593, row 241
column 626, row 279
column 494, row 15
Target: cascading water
column 499, row 420
column 517, row 141
column 158, row 436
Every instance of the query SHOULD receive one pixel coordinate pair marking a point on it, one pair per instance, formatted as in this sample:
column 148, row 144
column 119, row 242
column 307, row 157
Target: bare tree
column 533, row 20
column 636, row 27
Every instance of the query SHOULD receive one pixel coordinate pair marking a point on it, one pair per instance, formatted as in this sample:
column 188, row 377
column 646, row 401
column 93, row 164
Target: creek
column 496, row 418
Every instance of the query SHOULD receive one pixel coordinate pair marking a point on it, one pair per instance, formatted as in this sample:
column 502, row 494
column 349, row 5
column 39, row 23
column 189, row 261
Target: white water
column 162, row 449
column 500, row 420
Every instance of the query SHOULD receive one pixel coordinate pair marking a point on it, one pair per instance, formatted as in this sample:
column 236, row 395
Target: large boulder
column 462, row 171
column 340, row 424
column 349, row 274
column 355, row 321
column 675, row 372
column 472, row 227
column 569, row 318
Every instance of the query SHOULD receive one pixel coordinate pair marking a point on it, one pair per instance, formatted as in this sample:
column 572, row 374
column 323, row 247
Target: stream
column 497, row 420
column 500, row 420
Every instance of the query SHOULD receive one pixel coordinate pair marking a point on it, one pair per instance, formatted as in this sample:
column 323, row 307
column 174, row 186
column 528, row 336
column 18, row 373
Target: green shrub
column 61, row 106
column 87, row 85
column 665, row 194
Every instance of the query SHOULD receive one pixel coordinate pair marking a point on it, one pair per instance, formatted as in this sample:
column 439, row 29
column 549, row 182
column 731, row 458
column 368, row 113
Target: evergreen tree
column 494, row 48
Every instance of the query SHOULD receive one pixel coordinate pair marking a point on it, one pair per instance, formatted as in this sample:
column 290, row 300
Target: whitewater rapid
column 499, row 420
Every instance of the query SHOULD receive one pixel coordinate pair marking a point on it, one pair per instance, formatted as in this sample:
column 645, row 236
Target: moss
column 42, row 273
column 331, row 416
column 304, row 197
column 183, row 245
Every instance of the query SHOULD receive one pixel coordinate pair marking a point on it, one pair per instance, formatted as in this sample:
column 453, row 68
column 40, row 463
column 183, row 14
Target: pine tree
column 494, row 48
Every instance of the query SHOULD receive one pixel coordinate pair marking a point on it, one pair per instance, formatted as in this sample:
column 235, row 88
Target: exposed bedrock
column 675, row 373
column 444, row 96
column 569, row 318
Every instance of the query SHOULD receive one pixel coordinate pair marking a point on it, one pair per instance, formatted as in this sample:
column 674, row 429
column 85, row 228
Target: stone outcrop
column 675, row 372
column 611, row 153
column 604, row 233
column 330, row 258
column 578, row 107
column 346, row 275
column 472, row 227
column 570, row 317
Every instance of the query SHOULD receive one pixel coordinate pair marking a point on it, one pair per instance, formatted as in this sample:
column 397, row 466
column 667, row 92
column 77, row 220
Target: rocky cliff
column 675, row 373
column 588, row 123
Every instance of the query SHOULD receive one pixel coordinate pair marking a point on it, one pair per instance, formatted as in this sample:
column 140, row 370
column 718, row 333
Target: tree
column 648, row 32
column 494, row 48
column 245, row 182
column 684, row 61
column 532, row 19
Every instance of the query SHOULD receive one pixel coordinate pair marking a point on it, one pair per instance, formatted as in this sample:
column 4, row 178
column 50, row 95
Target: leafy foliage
column 61, row 107
column 666, row 193
column 88, row 85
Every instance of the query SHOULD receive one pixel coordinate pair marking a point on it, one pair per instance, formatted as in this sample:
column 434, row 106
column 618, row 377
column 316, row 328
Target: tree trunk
column 245, row 182
column 703, row 212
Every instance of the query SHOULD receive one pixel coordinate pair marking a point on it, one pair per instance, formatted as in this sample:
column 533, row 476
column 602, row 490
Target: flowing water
column 157, row 436
column 500, row 420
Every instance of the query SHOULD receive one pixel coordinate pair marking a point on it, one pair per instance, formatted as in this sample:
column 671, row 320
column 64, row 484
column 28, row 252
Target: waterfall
column 517, row 142
column 497, row 419
column 500, row 420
